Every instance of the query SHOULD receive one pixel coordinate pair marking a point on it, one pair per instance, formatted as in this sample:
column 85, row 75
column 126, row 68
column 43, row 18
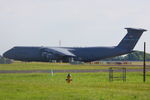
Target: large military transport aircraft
column 85, row 54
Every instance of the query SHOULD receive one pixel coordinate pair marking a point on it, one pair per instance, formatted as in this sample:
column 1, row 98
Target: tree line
column 134, row 56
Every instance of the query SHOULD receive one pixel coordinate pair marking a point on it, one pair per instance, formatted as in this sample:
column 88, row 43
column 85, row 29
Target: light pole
column 144, row 65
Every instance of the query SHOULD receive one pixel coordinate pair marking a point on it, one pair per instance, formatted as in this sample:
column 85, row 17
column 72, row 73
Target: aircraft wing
column 60, row 51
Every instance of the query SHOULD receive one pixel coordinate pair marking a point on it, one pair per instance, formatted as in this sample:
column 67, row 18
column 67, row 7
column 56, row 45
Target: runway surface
column 67, row 71
column 81, row 70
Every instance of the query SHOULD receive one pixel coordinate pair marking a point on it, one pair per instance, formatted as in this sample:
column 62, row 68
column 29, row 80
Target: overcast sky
column 77, row 23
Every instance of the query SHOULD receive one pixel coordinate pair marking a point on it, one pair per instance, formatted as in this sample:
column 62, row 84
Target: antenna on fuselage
column 59, row 43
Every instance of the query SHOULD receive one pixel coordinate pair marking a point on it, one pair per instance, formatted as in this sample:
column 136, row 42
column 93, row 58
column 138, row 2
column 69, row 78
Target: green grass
column 44, row 66
column 85, row 86
column 54, row 66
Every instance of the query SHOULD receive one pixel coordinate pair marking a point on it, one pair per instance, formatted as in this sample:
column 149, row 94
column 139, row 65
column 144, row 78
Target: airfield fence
column 116, row 73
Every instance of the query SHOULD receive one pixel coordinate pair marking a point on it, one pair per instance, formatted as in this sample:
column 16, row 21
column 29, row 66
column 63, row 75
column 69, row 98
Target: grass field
column 56, row 66
column 85, row 86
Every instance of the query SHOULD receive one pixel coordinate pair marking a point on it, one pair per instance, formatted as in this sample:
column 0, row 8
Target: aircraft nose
column 7, row 54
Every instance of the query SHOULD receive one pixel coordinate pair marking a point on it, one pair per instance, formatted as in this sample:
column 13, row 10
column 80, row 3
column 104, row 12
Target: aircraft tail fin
column 131, row 38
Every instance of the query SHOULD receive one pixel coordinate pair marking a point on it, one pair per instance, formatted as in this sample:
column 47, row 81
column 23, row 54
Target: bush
column 5, row 60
